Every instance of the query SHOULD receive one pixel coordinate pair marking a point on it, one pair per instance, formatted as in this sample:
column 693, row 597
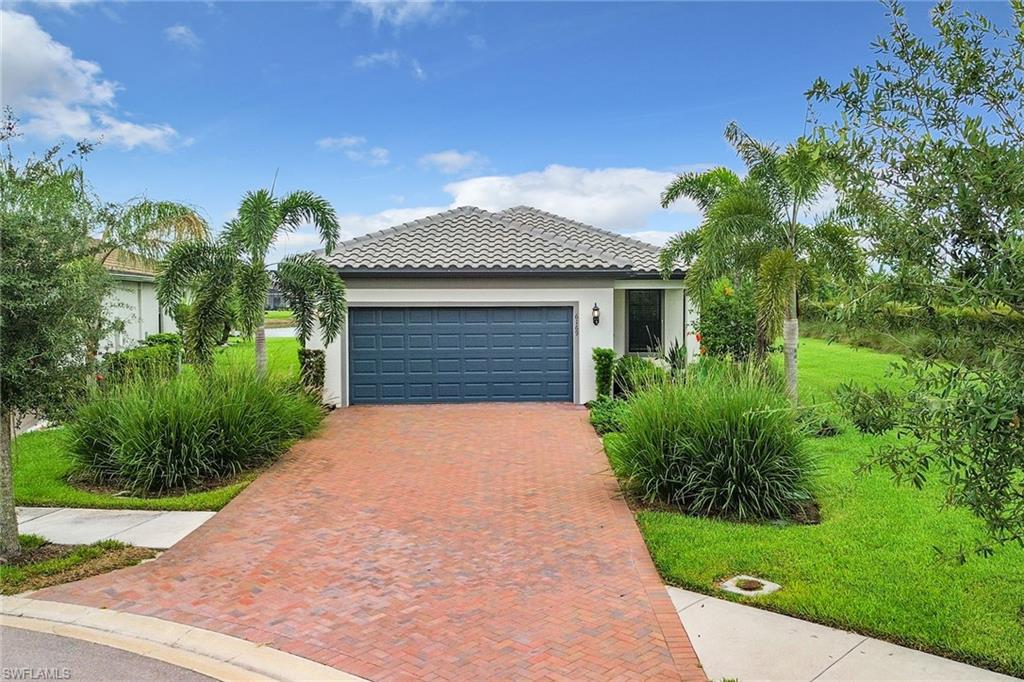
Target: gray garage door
column 429, row 355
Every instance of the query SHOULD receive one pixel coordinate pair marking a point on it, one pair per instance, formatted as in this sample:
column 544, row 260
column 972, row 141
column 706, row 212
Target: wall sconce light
column 595, row 315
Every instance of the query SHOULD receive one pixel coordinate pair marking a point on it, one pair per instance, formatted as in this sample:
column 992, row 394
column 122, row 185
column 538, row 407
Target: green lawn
column 42, row 564
column 282, row 355
column 42, row 462
column 871, row 565
column 278, row 318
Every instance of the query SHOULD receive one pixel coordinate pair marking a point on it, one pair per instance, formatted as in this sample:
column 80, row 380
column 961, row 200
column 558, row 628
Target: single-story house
column 132, row 302
column 471, row 305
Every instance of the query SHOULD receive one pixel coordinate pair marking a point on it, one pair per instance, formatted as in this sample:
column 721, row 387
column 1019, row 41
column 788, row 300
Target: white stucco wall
column 134, row 303
column 579, row 293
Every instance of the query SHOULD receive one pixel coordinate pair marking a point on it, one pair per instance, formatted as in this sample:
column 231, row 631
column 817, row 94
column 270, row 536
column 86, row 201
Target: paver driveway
column 426, row 542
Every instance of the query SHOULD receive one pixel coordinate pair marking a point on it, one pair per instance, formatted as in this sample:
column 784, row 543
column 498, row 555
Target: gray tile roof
column 641, row 255
column 469, row 239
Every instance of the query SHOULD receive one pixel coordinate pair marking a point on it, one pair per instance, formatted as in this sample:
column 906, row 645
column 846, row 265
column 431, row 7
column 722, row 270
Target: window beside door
column 644, row 323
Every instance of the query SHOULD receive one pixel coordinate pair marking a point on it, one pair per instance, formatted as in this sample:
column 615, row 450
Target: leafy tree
column 927, row 146
column 752, row 231
column 229, row 278
column 51, row 294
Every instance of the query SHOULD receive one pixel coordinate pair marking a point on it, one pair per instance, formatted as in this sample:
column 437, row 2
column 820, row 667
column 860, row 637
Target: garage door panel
column 460, row 354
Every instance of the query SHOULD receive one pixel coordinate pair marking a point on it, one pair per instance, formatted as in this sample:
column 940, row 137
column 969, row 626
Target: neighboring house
column 133, row 302
column 471, row 305
column 275, row 300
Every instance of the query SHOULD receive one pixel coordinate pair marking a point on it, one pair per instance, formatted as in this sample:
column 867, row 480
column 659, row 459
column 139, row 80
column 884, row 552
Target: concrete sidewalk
column 154, row 529
column 734, row 641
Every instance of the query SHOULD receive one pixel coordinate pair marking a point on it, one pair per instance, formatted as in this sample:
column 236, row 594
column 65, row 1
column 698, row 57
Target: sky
column 395, row 110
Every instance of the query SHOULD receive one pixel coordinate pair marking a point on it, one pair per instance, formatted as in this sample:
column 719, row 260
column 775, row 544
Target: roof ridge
column 650, row 247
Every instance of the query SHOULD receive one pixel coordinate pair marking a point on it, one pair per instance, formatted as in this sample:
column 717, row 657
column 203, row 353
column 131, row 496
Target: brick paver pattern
column 426, row 542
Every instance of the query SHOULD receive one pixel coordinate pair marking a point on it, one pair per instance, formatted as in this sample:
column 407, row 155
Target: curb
column 209, row 653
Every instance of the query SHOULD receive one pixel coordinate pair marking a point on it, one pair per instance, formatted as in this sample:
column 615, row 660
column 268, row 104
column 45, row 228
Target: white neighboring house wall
column 133, row 302
column 581, row 293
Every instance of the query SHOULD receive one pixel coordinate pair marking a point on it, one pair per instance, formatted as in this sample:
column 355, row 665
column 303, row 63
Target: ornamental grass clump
column 724, row 442
column 152, row 436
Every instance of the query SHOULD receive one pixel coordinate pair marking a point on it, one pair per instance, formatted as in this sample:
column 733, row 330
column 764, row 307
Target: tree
column 927, row 150
column 51, row 293
column 261, row 218
column 229, row 279
column 752, row 231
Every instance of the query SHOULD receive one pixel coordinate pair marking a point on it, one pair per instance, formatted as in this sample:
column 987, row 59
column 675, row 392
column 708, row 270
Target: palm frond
column 803, row 171
column 253, row 230
column 832, row 247
column 146, row 229
column 253, row 283
column 302, row 207
column 703, row 187
column 315, row 294
column 682, row 248
column 778, row 273
column 762, row 162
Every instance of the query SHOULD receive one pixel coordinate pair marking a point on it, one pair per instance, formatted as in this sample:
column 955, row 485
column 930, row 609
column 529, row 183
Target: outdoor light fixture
column 595, row 314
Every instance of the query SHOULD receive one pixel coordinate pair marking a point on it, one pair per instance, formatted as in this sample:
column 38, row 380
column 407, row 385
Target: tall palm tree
column 752, row 229
column 230, row 277
column 261, row 218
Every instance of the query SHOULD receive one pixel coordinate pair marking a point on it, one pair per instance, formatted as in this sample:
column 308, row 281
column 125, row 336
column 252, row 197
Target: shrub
column 154, row 362
column 725, row 442
column 633, row 373
column 606, row 414
column 871, row 410
column 150, row 436
column 163, row 339
column 727, row 324
column 604, row 365
column 311, row 371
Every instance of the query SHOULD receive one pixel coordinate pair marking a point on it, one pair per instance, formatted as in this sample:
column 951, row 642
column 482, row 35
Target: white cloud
column 613, row 198
column 390, row 59
column 182, row 36
column 354, row 148
column 344, row 142
column 355, row 224
column 417, row 71
column 352, row 225
column 656, row 237
column 452, row 160
column 58, row 95
column 386, row 58
column 401, row 13
column 476, row 41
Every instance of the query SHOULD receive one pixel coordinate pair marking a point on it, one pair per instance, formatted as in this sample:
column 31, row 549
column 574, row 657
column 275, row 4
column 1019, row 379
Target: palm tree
column 752, row 230
column 261, row 218
column 230, row 278
column 146, row 229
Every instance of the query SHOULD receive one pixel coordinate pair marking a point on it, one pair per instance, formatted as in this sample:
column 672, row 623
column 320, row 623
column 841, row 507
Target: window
column 643, row 320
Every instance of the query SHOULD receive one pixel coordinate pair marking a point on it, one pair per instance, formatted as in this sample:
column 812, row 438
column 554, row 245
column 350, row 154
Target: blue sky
column 395, row 110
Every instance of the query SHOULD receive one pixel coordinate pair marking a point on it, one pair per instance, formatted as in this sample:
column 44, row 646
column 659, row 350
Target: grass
column 278, row 318
column 871, row 565
column 42, row 463
column 282, row 355
column 42, row 564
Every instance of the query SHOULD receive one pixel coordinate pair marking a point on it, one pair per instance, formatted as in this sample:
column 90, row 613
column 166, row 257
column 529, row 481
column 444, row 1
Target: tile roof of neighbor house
column 121, row 262
column 470, row 239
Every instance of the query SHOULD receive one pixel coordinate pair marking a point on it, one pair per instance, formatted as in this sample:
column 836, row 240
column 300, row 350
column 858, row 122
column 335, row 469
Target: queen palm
column 752, row 230
column 230, row 278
